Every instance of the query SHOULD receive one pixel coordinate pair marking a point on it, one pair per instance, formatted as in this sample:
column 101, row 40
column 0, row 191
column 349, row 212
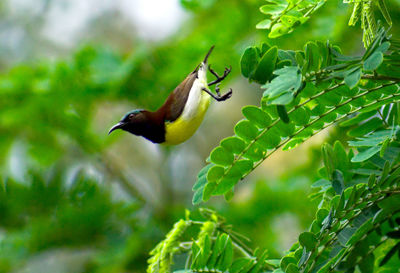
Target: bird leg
column 218, row 77
column 218, row 97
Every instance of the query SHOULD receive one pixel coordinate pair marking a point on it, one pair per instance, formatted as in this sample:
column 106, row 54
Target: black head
column 142, row 123
column 132, row 122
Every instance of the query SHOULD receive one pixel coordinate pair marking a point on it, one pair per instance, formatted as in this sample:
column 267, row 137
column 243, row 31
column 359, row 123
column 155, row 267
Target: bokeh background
column 72, row 198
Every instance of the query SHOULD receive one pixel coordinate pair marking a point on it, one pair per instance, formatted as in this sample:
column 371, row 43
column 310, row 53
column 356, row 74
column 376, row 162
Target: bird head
column 132, row 122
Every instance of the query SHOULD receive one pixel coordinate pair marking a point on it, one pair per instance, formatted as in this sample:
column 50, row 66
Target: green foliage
column 51, row 108
column 216, row 248
column 317, row 87
column 356, row 226
column 364, row 11
column 285, row 15
column 83, row 215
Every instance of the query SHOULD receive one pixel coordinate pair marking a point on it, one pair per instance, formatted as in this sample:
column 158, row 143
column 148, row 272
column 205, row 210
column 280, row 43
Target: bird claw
column 228, row 94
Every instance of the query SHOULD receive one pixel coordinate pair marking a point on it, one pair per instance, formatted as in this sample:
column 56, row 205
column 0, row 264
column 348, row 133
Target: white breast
column 196, row 95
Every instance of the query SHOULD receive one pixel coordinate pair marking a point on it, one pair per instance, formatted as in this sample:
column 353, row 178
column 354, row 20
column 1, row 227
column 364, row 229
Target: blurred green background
column 73, row 199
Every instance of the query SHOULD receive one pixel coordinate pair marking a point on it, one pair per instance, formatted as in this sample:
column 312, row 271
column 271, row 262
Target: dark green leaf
column 249, row 62
column 292, row 268
column 353, row 78
column 308, row 240
column 286, row 261
column 281, row 109
column 313, row 61
column 365, row 128
column 300, row 116
column 367, row 264
column 390, row 254
column 337, row 181
column 357, row 119
column 373, row 61
column 266, row 66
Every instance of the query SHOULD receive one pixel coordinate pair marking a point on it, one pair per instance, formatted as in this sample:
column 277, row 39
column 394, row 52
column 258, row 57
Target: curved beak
column 119, row 125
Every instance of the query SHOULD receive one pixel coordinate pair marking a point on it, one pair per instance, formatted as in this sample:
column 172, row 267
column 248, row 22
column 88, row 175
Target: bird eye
column 131, row 116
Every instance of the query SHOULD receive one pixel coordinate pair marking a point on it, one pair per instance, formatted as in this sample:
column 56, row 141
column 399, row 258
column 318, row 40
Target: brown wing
column 176, row 101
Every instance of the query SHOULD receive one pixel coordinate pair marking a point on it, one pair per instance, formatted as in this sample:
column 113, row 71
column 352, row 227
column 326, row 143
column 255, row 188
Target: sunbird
column 182, row 112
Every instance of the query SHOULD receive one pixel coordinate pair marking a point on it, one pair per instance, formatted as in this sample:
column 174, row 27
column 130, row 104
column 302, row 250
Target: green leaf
column 308, row 240
column 266, row 66
column 204, row 170
column 240, row 264
column 345, row 235
column 278, row 30
column 249, row 62
column 352, row 79
column 390, row 203
column 225, row 185
column 366, row 154
column 198, row 196
column 328, row 157
column 270, row 139
column 240, row 167
column 337, row 181
column 286, row 261
column 264, row 24
column 246, row 130
column 228, row 195
column 300, row 116
column 233, row 144
column 221, row 156
column 256, row 115
column 357, row 119
column 288, row 80
column 272, row 9
column 209, row 190
column 371, row 181
column 292, row 268
column 201, row 182
column 292, row 144
column 384, row 11
column 384, row 146
column 313, row 61
column 282, row 113
column 255, row 152
column 373, row 61
column 215, row 173
column 365, row 128
column 390, row 254
column 290, row 21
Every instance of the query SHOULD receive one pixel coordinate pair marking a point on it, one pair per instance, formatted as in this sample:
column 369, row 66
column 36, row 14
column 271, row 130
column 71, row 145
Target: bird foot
column 218, row 77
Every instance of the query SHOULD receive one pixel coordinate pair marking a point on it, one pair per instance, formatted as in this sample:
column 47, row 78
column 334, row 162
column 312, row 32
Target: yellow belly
column 182, row 129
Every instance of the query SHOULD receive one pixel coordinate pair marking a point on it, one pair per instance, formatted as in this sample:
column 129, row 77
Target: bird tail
column 208, row 54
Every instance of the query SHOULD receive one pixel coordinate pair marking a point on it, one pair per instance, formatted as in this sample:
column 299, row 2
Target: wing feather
column 176, row 101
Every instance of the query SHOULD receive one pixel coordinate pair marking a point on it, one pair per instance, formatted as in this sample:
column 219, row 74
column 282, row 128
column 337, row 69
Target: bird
column 182, row 112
